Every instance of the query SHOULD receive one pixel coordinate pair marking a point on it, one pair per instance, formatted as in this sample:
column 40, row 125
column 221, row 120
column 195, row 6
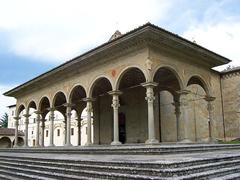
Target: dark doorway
column 122, row 127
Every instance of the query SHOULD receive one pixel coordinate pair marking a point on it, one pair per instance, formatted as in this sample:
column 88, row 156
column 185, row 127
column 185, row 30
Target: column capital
column 51, row 109
column 183, row 92
column 209, row 98
column 149, row 84
column 68, row 105
column 38, row 112
column 115, row 92
column 88, row 99
column 78, row 119
column 27, row 115
column 16, row 117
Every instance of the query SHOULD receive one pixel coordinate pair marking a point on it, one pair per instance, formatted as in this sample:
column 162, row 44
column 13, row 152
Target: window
column 58, row 132
column 32, row 132
column 46, row 133
column 86, row 130
column 72, row 131
column 34, row 120
column 12, row 113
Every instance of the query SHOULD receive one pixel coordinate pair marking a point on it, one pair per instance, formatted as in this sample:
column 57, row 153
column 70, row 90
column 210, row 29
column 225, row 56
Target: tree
column 4, row 121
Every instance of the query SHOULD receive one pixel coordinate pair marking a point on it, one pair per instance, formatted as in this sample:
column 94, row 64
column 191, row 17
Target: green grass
column 231, row 142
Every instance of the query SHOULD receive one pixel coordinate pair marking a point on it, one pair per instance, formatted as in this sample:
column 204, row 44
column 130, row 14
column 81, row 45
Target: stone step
column 127, row 164
column 29, row 173
column 13, row 175
column 233, row 176
column 210, row 174
column 71, row 168
column 154, row 149
column 62, row 173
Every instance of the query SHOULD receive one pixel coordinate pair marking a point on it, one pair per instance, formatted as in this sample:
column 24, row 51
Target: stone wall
column 231, row 103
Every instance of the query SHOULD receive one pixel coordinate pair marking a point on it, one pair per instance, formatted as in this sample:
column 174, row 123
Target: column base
column 68, row 145
column 185, row 141
column 51, row 145
column 88, row 144
column 152, row 141
column 15, row 146
column 114, row 143
column 211, row 140
column 25, row 146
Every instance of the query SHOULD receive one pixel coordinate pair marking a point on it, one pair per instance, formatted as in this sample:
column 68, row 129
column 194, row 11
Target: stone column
column 89, row 110
column 51, row 127
column 16, row 130
column 68, row 115
column 210, row 109
column 37, row 128
column 177, row 113
column 150, row 99
column 65, row 130
column 115, row 105
column 79, row 130
column 26, row 129
column 42, row 128
column 185, row 114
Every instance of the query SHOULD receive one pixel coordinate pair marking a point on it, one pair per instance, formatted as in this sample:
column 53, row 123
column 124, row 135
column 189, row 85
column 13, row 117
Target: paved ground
column 168, row 159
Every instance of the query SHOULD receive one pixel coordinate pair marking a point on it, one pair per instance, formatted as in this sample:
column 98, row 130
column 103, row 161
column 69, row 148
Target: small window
column 32, row 132
column 12, row 113
column 46, row 133
column 86, row 130
column 58, row 132
column 34, row 120
column 72, row 131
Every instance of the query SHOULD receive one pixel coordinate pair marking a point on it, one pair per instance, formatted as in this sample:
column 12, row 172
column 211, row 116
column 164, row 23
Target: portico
column 147, row 86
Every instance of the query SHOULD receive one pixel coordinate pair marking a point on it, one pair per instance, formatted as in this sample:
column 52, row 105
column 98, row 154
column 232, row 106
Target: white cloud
column 61, row 29
column 222, row 37
column 5, row 101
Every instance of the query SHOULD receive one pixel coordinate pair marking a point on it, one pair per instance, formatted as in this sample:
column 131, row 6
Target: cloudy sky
column 38, row 35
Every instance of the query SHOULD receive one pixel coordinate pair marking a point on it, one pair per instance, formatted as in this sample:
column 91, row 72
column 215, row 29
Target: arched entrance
column 102, row 111
column 199, row 124
column 133, row 122
column 167, row 104
column 5, row 142
column 44, row 106
column 77, row 95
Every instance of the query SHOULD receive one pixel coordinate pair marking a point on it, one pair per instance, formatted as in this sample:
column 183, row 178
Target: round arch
column 43, row 105
column 197, row 79
column 96, row 81
column 32, row 104
column 126, row 70
column 5, row 142
column 61, row 95
column 20, row 109
column 77, row 91
column 42, row 100
column 170, row 69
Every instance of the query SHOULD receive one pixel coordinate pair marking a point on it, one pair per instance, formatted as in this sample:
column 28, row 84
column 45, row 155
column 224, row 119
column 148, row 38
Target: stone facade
column 146, row 86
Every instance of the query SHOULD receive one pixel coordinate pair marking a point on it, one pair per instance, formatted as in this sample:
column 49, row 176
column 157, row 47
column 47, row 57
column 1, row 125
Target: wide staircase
column 203, row 163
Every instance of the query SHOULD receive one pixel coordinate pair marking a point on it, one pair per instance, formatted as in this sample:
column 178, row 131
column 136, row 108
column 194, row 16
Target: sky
column 37, row 35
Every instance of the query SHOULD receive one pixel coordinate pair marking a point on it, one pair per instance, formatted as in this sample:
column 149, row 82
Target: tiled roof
column 10, row 132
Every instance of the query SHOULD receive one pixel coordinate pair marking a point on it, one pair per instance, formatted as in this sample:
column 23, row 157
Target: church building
column 146, row 86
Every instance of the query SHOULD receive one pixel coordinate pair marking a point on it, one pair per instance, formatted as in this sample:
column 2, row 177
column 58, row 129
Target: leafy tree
column 4, row 121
